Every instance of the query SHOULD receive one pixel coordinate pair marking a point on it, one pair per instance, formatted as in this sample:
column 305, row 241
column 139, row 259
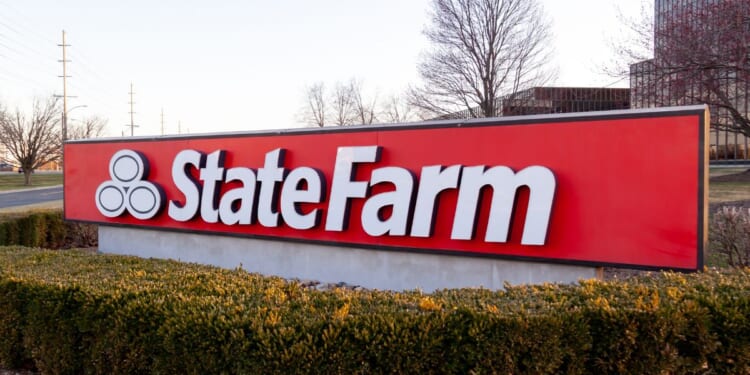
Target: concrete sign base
column 373, row 269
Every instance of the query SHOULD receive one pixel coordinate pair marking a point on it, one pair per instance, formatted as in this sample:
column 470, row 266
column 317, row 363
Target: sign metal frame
column 698, row 114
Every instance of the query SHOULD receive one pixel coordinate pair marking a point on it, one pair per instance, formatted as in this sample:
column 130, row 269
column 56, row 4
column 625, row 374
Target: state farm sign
column 621, row 188
column 203, row 197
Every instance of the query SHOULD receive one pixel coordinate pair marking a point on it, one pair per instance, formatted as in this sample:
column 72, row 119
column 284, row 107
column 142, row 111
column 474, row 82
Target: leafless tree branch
column 90, row 127
column 342, row 104
column 32, row 141
column 364, row 109
column 315, row 110
column 397, row 110
column 483, row 51
column 701, row 55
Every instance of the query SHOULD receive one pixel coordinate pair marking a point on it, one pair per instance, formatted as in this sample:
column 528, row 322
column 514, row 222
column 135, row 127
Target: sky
column 243, row 65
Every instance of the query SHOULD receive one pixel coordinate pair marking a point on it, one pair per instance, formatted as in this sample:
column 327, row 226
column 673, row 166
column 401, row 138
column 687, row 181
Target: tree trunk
column 27, row 177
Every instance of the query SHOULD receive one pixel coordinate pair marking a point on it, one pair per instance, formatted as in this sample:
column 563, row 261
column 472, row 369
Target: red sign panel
column 609, row 188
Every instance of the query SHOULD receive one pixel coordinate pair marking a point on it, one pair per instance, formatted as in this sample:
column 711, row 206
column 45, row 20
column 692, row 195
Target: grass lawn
column 723, row 171
column 14, row 181
column 728, row 191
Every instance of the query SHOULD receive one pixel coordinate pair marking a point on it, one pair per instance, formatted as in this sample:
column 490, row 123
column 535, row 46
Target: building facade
column 701, row 55
column 547, row 100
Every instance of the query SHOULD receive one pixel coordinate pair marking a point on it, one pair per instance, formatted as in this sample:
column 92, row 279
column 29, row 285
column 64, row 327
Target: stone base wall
column 373, row 269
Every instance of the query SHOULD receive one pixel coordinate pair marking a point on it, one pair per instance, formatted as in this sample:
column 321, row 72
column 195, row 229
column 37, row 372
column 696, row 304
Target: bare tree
column 396, row 110
column 633, row 41
column 90, row 127
column 346, row 105
column 314, row 112
column 364, row 109
column 701, row 54
column 32, row 141
column 342, row 104
column 483, row 50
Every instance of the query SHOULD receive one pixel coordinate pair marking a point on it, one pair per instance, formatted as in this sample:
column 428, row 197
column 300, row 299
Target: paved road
column 34, row 196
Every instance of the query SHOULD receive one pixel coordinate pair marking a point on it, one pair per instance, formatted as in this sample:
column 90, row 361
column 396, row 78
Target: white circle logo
column 128, row 190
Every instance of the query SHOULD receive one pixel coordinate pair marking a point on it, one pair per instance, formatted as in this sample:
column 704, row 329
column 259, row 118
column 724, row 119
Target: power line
column 23, row 77
column 18, row 32
column 22, row 32
column 90, row 81
column 94, row 79
column 23, row 80
column 28, row 31
column 9, row 48
column 26, row 60
column 26, row 63
column 44, row 55
column 90, row 99
column 84, row 63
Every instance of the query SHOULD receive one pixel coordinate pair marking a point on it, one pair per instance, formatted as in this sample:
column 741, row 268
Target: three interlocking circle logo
column 128, row 190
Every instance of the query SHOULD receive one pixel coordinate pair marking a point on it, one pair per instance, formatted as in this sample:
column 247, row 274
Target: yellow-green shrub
column 76, row 312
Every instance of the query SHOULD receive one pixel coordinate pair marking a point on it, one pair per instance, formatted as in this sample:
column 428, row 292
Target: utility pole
column 179, row 127
column 162, row 120
column 132, row 124
column 64, row 61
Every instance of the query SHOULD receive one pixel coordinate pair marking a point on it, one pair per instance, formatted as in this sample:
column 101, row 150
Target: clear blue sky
column 238, row 65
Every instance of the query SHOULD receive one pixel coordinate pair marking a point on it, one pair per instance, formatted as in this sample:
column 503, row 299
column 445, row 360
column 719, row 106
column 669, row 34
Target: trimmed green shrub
column 45, row 229
column 78, row 312
column 10, row 233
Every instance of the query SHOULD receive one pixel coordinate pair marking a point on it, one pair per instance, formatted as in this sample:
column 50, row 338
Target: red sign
column 607, row 188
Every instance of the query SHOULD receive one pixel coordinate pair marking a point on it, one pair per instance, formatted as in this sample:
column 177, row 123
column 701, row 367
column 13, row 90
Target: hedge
column 73, row 312
column 45, row 229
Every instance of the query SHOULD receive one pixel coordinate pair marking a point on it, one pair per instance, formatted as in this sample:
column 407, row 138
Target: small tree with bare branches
column 90, row 127
column 345, row 105
column 364, row 109
column 342, row 104
column 32, row 141
column 632, row 42
column 314, row 112
column 483, row 51
column 701, row 54
column 396, row 110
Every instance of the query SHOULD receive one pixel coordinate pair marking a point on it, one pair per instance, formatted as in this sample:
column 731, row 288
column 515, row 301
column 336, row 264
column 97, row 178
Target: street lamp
column 65, row 121
column 65, row 130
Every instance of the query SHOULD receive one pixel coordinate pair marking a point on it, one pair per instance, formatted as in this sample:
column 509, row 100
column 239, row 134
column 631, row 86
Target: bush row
column 73, row 312
column 45, row 229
